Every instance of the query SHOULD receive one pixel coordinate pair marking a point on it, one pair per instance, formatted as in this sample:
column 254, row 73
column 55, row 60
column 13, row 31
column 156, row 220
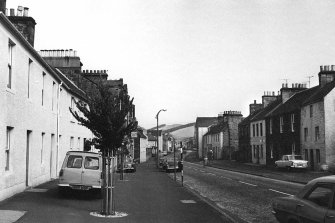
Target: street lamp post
column 158, row 137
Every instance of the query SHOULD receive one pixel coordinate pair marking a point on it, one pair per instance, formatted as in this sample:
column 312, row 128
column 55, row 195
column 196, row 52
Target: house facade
column 283, row 123
column 222, row 139
column 244, row 152
column 200, row 129
column 318, row 121
column 37, row 128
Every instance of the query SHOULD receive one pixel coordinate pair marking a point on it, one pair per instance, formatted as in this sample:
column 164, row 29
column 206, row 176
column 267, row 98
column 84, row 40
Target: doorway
column 52, row 158
column 29, row 132
column 311, row 159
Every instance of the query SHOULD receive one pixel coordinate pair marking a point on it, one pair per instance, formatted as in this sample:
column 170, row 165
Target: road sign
column 133, row 134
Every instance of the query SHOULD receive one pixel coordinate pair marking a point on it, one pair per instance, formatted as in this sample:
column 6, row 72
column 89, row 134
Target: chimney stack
column 3, row 6
column 23, row 23
column 326, row 74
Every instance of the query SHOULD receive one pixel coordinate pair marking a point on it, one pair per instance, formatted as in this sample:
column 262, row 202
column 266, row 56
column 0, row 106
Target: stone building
column 37, row 128
column 257, row 130
column 318, row 120
column 200, row 129
column 222, row 138
column 244, row 151
column 283, row 123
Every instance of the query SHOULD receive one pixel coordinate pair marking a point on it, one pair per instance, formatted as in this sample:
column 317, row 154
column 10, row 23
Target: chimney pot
column 19, row 11
column 12, row 12
column 25, row 11
column 321, row 68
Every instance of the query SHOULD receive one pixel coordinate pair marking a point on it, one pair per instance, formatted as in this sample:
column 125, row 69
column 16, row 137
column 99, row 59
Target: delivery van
column 80, row 171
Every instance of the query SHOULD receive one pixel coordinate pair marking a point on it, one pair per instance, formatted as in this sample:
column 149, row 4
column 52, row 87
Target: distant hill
column 165, row 127
column 177, row 130
column 182, row 131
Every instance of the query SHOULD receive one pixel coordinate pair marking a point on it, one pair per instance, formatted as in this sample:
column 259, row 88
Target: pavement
column 295, row 176
column 148, row 195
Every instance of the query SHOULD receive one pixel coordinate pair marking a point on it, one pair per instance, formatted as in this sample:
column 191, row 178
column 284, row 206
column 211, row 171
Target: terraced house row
column 36, row 91
column 298, row 120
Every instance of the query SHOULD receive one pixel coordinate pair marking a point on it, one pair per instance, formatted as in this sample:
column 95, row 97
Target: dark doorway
column 27, row 156
column 311, row 159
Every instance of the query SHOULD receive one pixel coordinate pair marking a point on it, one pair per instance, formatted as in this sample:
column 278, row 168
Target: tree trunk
column 104, row 185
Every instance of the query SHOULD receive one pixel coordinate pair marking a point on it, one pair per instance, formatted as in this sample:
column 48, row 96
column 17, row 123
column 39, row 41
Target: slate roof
column 320, row 93
column 217, row 128
column 293, row 103
column 247, row 119
column 205, row 121
column 263, row 112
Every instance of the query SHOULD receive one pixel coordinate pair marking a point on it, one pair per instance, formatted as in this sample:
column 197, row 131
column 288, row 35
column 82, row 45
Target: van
column 80, row 171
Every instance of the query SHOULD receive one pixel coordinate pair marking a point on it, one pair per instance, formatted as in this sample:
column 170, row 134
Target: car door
column 330, row 215
column 91, row 171
column 73, row 169
column 315, row 204
column 281, row 163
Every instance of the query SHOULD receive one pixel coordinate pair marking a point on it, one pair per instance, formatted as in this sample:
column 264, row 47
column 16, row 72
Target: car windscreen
column 74, row 161
column 91, row 163
column 298, row 158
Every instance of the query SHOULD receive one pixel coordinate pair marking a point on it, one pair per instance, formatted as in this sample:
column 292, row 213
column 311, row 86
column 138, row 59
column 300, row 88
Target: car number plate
column 80, row 187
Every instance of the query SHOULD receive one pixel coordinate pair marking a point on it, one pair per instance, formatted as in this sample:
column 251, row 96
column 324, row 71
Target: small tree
column 107, row 115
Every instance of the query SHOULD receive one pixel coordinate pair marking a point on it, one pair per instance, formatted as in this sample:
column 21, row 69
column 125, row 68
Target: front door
column 74, row 167
column 27, row 157
column 91, row 171
column 311, row 159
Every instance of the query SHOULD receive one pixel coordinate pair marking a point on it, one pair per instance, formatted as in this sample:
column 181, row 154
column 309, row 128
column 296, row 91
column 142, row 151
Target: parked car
column 80, row 171
column 161, row 163
column 314, row 203
column 128, row 165
column 292, row 161
column 169, row 165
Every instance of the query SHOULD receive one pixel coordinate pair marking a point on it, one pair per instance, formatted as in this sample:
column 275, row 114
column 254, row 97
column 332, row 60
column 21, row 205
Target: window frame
column 9, row 133
column 281, row 124
column 317, row 133
column 292, row 122
column 11, row 45
column 331, row 187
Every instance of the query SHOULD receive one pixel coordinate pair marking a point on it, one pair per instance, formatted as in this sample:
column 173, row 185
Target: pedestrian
column 210, row 156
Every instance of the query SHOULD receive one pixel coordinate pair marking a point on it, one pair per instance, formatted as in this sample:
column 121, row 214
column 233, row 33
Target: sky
column 195, row 58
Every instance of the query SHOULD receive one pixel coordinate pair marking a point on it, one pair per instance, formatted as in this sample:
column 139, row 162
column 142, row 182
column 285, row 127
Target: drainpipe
column 58, row 117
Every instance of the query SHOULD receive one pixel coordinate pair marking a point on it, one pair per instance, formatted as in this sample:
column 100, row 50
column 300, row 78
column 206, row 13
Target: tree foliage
column 107, row 116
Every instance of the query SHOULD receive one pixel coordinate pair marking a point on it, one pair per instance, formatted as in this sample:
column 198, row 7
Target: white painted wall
column 23, row 114
column 201, row 132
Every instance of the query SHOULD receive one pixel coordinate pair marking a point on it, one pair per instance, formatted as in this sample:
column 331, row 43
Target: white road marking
column 280, row 192
column 248, row 183
column 211, row 174
column 227, row 178
column 188, row 201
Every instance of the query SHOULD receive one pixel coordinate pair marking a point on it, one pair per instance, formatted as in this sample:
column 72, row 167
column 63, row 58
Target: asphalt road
column 246, row 196
column 147, row 196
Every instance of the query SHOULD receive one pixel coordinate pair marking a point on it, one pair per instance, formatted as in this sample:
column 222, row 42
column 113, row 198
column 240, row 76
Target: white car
column 292, row 161
column 80, row 171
